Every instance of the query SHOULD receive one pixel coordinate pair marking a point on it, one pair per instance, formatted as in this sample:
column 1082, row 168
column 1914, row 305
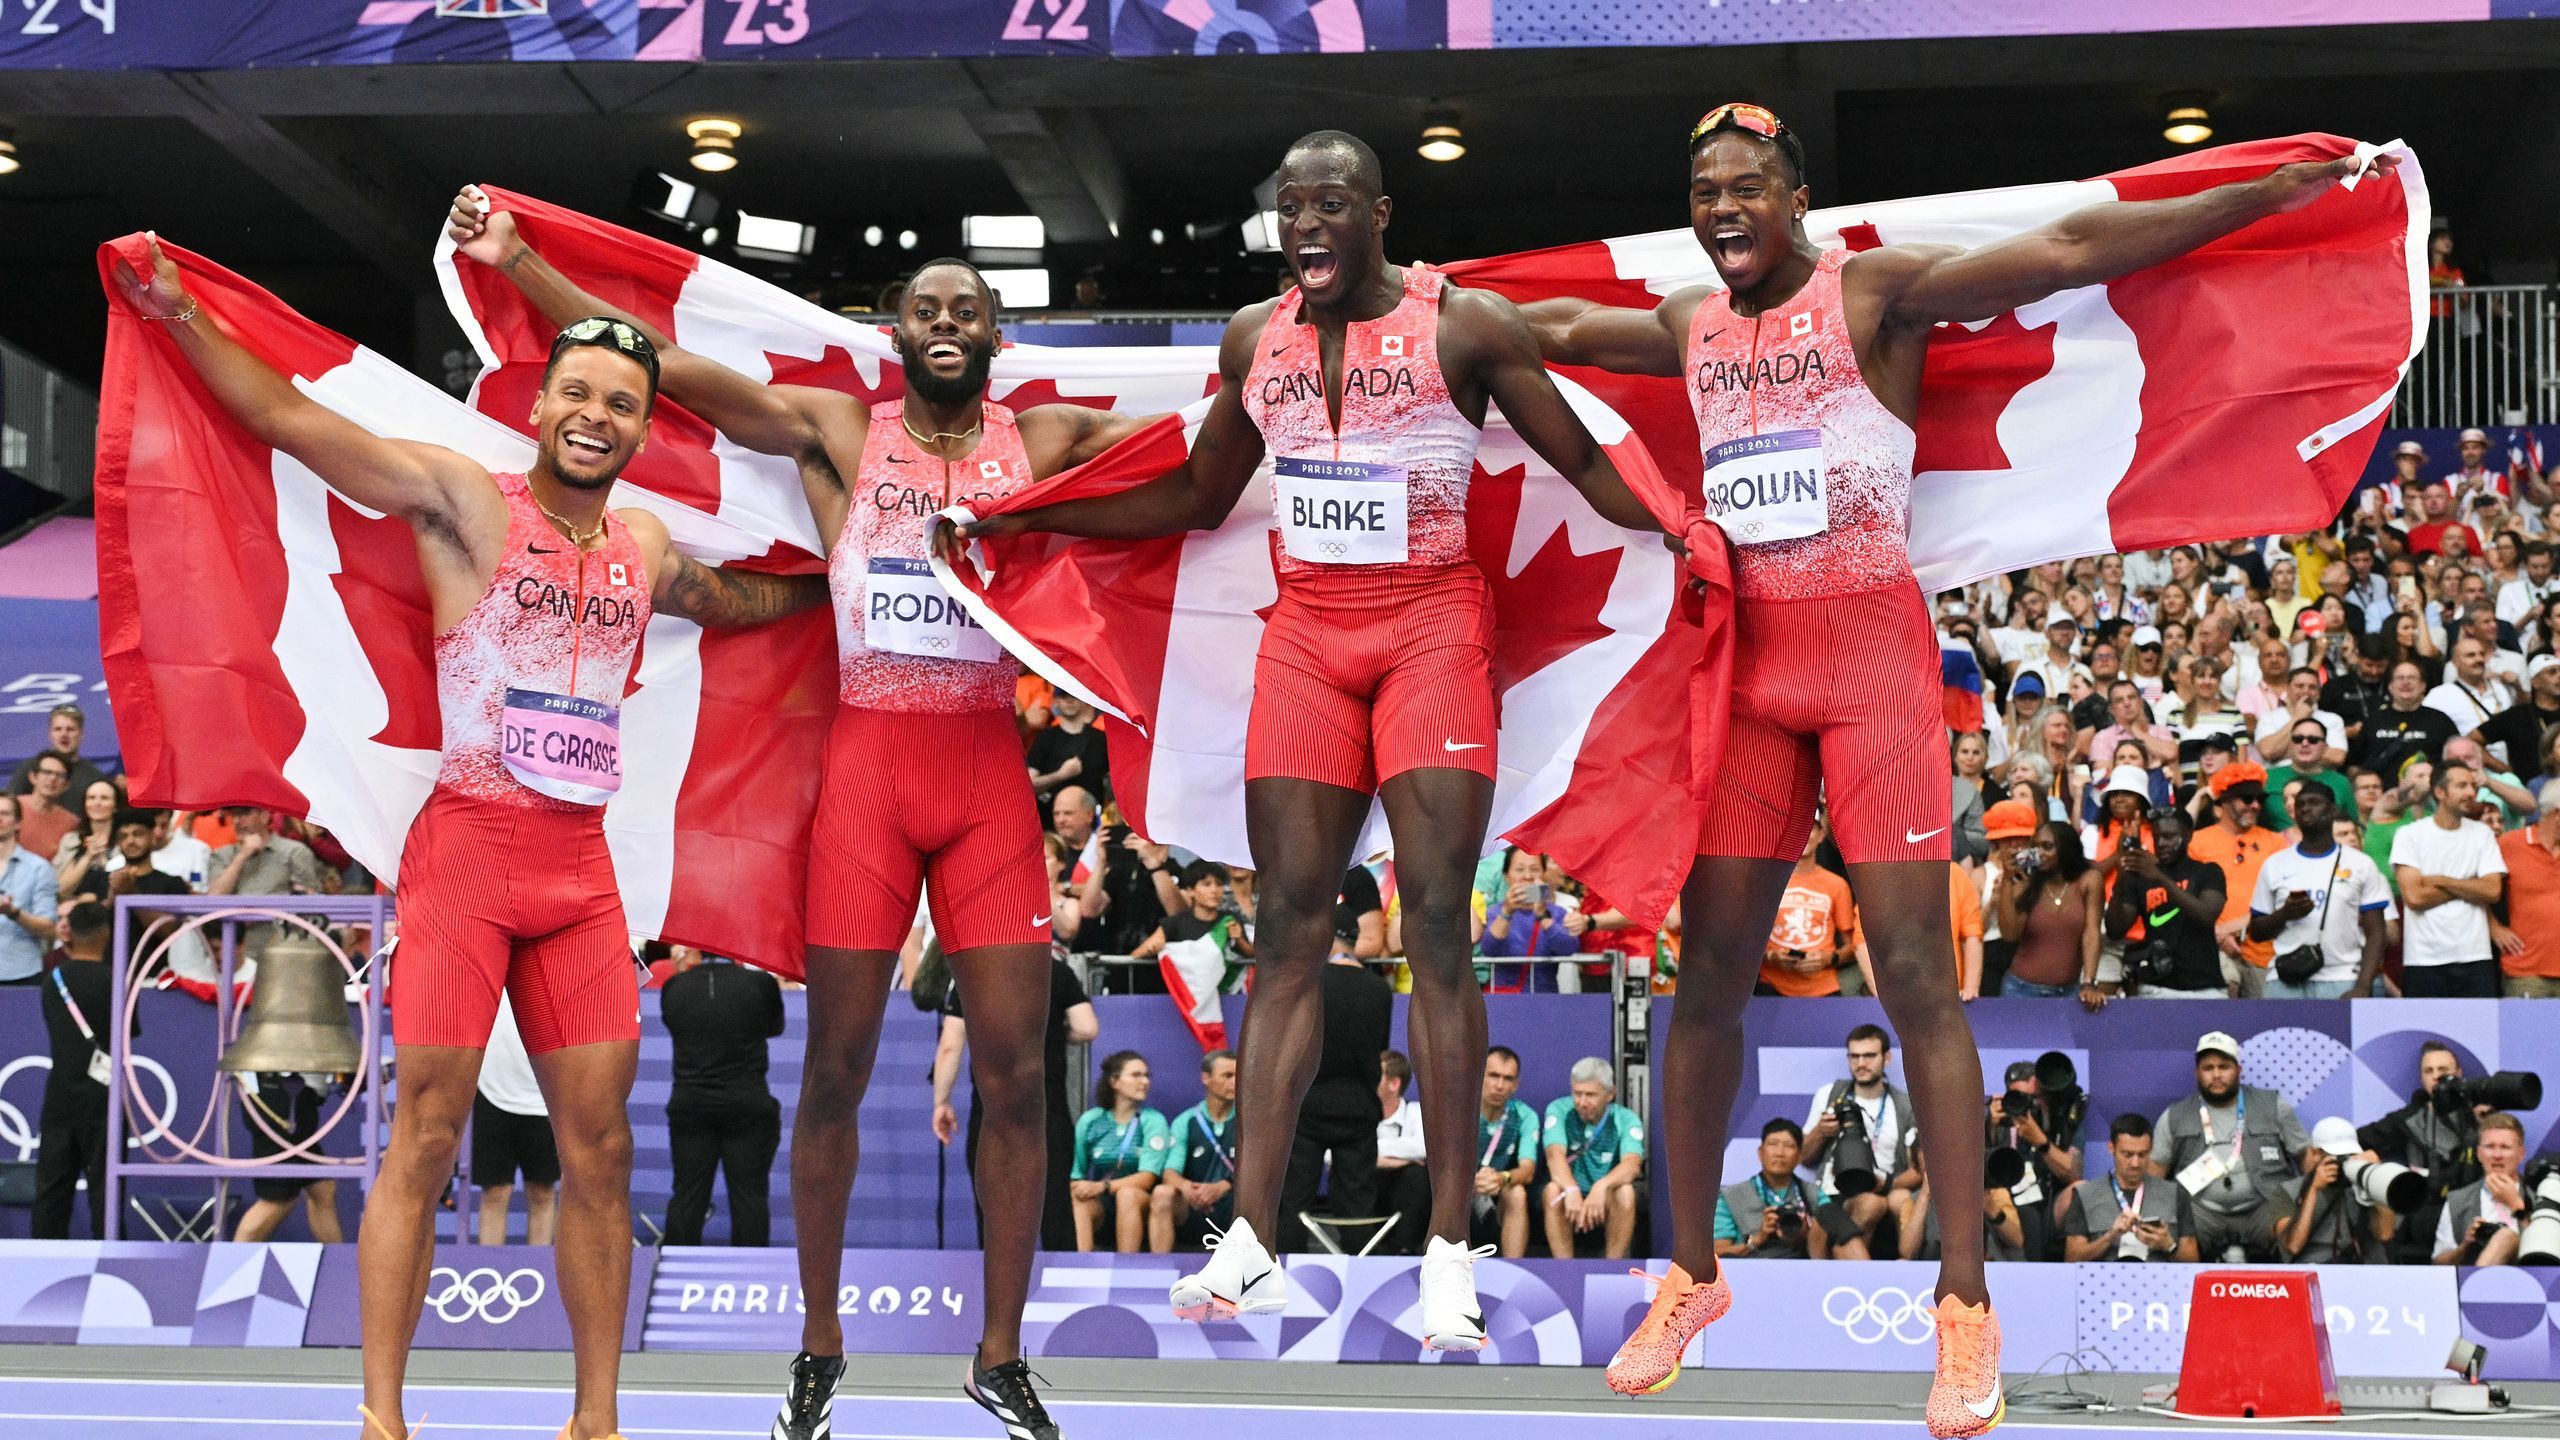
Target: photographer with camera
column 1854, row 1134
column 2437, row 1133
column 2164, row 909
column 2482, row 1220
column 1915, row 1215
column 1769, row 1215
column 2323, row 906
column 2036, row 1117
column 2345, row 1206
column 2132, row 1214
column 2231, row 1147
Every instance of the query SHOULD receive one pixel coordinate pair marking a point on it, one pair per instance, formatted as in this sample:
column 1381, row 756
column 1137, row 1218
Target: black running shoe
column 1005, row 1392
column 808, row 1412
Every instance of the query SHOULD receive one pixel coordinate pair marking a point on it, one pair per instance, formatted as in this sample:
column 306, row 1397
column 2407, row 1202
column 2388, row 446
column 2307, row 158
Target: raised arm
column 712, row 595
column 1572, row 331
column 437, row 491
column 1195, row 495
column 1497, row 352
column 1926, row 284
column 786, row 420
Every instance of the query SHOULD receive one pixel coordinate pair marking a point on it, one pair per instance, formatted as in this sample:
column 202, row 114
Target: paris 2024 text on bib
column 906, row 611
column 1769, row 487
column 562, row 746
column 1341, row 512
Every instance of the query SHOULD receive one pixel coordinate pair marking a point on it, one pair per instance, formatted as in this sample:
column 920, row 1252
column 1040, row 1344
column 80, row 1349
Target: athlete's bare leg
column 1438, row 819
column 1301, row 833
column 587, row 1089
column 1902, row 906
column 1727, row 908
column 1005, row 989
column 848, row 991
column 395, row 1247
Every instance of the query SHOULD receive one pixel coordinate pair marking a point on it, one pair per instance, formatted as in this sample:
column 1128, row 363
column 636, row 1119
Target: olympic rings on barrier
column 1891, row 1311
column 479, row 1294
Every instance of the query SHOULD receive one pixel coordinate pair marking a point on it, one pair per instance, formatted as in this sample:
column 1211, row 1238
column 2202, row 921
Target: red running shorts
column 940, row 803
column 1364, row 675
column 1835, row 699
column 509, row 898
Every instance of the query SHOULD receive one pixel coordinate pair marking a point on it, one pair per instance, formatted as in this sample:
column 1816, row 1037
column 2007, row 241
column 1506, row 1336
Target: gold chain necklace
column 581, row 541
column 922, row 438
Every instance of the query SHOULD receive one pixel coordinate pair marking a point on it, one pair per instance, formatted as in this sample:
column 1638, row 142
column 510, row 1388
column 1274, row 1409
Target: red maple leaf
column 833, row 369
column 1045, row 392
column 1972, row 376
column 1552, row 607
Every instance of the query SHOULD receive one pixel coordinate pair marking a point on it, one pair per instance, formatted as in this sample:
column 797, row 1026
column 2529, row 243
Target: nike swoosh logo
column 1249, row 1284
column 1039, row 920
column 1910, row 839
column 1712, row 334
column 1983, row 1408
column 900, row 460
column 538, row 550
column 1453, row 746
column 1476, row 1320
column 1276, row 354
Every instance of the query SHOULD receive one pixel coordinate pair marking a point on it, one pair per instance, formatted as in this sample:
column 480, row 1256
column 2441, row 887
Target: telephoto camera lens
column 2508, row 1090
column 2541, row 1239
column 2003, row 1167
column 1853, row 1156
column 2379, row 1183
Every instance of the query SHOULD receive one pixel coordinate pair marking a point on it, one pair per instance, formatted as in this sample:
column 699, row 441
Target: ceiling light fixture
column 906, row 239
column 2188, row 124
column 871, row 235
column 8, row 151
column 1441, row 138
column 715, row 143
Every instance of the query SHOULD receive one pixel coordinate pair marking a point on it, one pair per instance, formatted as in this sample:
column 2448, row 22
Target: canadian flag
column 267, row 641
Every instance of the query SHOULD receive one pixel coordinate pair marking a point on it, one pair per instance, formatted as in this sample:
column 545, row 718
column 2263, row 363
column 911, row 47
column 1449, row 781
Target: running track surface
column 32, row 1409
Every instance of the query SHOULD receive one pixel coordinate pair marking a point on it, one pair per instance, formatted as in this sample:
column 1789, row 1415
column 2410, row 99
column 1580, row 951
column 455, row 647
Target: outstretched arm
column 1926, row 284
column 713, row 595
column 785, row 420
column 1195, row 495
column 1573, row 331
column 1503, row 358
column 427, row 485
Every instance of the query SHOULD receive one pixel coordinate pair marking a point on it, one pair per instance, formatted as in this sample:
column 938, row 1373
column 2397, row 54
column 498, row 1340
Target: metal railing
column 2489, row 360
column 48, row 425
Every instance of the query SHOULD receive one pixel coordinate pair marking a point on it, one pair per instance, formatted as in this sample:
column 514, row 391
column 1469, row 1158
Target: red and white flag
column 2236, row 391
column 267, row 642
column 1595, row 659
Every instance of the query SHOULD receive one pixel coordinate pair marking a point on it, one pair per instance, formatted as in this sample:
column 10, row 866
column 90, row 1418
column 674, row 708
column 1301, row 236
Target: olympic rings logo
column 480, row 1294
column 935, row 643
column 1890, row 1311
column 1335, row 549
column 16, row 1133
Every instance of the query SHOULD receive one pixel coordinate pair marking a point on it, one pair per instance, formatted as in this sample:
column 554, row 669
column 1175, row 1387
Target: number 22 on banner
column 1068, row 23
column 40, row 20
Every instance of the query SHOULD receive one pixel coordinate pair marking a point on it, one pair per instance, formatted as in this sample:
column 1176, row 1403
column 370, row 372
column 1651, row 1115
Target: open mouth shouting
column 945, row 352
column 1730, row 246
column 1317, row 265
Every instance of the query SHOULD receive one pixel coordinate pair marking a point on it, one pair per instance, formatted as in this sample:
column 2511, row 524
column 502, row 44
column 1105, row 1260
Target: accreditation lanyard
column 1493, row 1146
column 1128, row 1133
column 2239, row 1125
column 1225, row 1156
column 74, row 1007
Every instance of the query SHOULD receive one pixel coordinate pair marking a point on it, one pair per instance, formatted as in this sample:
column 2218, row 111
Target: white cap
column 2336, row 1136
column 2538, row 664
column 2146, row 634
column 2218, row 1042
column 2129, row 780
column 2470, row 437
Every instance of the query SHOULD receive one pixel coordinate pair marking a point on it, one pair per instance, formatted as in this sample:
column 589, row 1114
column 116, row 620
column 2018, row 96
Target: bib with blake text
column 907, row 612
column 1768, row 487
column 1340, row 512
column 562, row 746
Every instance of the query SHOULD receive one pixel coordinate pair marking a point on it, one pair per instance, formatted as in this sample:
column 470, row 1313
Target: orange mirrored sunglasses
column 1758, row 119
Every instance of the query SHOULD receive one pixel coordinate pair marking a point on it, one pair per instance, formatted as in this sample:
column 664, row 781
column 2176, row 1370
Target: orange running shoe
column 1966, row 1399
column 1650, row 1360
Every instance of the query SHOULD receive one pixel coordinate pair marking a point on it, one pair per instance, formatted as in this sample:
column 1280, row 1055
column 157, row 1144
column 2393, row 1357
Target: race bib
column 1340, row 512
column 1762, row 488
column 2207, row 1168
column 907, row 612
column 562, row 746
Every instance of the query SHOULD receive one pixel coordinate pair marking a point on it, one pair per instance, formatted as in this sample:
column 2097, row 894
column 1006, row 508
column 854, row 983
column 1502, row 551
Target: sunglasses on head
column 620, row 335
column 1758, row 119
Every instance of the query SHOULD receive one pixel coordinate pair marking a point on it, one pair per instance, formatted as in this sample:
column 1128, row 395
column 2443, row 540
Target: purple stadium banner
column 84, row 1292
column 479, row 1297
column 49, row 656
column 188, row 34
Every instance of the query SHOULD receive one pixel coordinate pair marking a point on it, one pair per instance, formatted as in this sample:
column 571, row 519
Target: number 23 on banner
column 789, row 24
column 41, row 19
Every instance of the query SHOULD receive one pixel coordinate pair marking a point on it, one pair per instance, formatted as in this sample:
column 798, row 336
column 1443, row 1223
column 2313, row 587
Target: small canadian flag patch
column 1391, row 346
column 991, row 469
column 1801, row 325
column 618, row 574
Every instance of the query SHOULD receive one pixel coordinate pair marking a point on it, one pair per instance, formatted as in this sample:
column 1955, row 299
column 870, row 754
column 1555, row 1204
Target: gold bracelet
column 180, row 318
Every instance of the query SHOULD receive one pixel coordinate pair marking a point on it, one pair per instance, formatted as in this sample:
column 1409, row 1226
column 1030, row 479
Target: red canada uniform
column 505, row 880
column 1377, row 657
column 924, row 776
column 1835, row 673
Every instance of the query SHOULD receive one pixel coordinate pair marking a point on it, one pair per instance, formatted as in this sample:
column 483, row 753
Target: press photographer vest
column 2261, row 1143
column 1903, row 1118
column 1744, row 1201
column 2100, row 1206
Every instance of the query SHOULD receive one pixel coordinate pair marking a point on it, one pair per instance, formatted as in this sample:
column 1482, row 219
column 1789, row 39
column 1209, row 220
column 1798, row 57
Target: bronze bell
column 298, row 1018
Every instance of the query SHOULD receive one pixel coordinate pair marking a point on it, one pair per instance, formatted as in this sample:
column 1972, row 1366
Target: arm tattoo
column 715, row 596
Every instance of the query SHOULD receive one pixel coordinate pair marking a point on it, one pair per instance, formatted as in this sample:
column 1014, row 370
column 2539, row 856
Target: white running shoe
column 1241, row 1278
column 1451, row 1317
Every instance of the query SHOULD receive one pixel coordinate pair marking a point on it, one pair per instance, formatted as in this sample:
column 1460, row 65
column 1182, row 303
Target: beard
column 969, row 384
